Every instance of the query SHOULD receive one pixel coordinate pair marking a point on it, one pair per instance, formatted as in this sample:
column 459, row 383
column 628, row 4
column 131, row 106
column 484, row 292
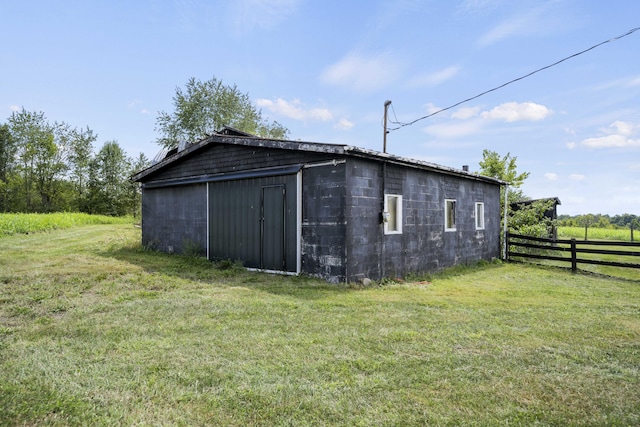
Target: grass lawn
column 96, row 331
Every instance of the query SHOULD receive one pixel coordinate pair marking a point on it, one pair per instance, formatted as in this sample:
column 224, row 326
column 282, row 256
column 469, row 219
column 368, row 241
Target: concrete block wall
column 363, row 208
column 324, row 222
column 423, row 246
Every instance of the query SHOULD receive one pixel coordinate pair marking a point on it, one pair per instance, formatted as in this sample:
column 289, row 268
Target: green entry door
column 273, row 226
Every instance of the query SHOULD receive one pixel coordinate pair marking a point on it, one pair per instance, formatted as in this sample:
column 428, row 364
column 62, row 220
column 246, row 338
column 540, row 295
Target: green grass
column 95, row 330
column 31, row 223
column 598, row 233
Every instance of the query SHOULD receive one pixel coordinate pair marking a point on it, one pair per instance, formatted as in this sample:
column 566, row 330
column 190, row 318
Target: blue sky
column 325, row 68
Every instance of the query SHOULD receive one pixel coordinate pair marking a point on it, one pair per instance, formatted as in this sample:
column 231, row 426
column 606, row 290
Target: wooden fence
column 574, row 251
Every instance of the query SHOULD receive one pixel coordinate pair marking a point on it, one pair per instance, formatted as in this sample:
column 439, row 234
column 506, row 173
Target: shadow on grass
column 222, row 273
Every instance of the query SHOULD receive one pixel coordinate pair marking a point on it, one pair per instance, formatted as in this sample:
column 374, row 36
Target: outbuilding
column 333, row 211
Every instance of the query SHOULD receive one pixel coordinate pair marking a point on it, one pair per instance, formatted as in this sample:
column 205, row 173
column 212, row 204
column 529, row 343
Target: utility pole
column 386, row 109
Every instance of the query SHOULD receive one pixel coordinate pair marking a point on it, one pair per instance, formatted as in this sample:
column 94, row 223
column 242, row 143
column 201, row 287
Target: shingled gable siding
column 423, row 246
column 225, row 158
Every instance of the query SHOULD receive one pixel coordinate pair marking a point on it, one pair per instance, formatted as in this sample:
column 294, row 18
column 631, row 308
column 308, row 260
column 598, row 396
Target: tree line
column 49, row 167
column 600, row 221
column 52, row 166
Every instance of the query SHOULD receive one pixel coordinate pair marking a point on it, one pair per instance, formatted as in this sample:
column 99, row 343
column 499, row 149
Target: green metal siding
column 259, row 231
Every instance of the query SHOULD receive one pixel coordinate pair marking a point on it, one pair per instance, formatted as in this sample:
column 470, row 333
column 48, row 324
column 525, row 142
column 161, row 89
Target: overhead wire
column 404, row 124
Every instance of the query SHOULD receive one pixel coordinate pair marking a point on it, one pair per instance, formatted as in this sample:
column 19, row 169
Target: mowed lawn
column 95, row 330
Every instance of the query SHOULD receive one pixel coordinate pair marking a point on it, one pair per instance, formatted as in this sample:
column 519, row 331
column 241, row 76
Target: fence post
column 505, row 255
column 574, row 256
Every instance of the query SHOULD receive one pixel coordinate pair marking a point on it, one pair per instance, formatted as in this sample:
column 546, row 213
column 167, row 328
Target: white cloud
column 505, row 29
column 609, row 141
column 344, row 124
column 618, row 135
column 513, row 112
column 14, row 108
column 454, row 130
column 477, row 6
column 261, row 14
column 544, row 18
column 622, row 128
column 133, row 103
column 577, row 177
column 627, row 82
column 550, row 176
column 571, row 145
column 575, row 200
column 466, row 113
column 363, row 73
column 294, row 110
column 435, row 78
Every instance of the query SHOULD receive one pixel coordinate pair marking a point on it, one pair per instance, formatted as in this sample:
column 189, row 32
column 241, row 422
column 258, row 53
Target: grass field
column 94, row 330
column 598, row 233
column 31, row 223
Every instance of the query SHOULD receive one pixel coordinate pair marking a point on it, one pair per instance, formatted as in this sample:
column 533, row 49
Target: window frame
column 479, row 215
column 450, row 214
column 397, row 214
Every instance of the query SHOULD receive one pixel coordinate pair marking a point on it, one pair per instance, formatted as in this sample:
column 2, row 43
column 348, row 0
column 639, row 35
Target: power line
column 401, row 124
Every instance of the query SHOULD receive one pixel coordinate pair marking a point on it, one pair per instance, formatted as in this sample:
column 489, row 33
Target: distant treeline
column 600, row 221
column 52, row 167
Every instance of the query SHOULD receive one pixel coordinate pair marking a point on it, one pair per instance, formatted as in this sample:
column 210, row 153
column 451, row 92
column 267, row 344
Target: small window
column 449, row 215
column 479, row 216
column 393, row 214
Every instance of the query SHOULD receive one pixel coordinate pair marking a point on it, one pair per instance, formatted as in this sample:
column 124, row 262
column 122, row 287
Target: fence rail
column 523, row 247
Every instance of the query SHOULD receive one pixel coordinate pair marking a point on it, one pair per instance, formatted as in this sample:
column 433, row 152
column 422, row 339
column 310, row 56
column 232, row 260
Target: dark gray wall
column 423, row 246
column 173, row 216
column 342, row 238
column 226, row 158
column 174, row 219
column 364, row 204
column 323, row 243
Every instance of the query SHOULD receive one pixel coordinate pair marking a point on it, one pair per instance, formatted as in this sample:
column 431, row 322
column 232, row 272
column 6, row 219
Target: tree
column 108, row 181
column 528, row 219
column 204, row 107
column 80, row 153
column 586, row 221
column 134, row 193
column 505, row 169
column 41, row 159
column 7, row 159
column 634, row 225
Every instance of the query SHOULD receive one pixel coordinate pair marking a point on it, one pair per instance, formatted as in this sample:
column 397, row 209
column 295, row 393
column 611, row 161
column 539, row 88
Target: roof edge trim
column 202, row 179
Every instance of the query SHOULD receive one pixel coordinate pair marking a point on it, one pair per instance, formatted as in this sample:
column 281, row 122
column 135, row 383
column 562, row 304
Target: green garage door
column 254, row 221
